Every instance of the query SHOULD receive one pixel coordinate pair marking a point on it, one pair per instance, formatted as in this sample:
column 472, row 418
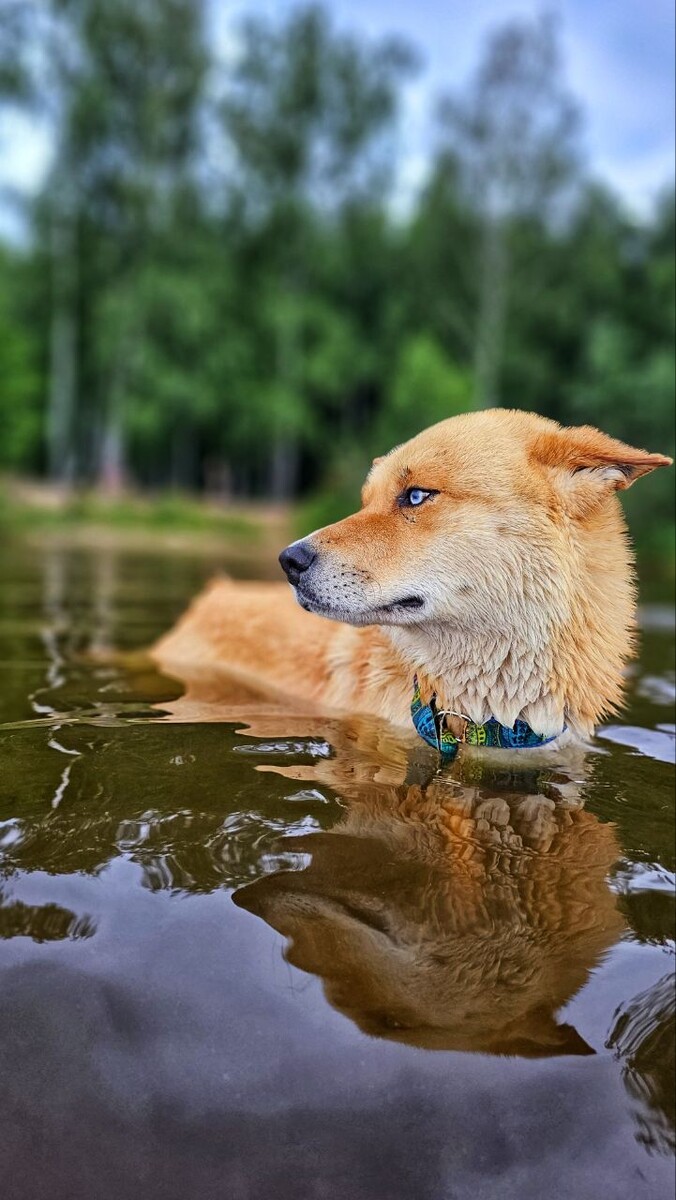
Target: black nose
column 296, row 559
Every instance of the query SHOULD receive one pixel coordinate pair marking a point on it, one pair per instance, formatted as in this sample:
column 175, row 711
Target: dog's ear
column 554, row 1041
column 589, row 465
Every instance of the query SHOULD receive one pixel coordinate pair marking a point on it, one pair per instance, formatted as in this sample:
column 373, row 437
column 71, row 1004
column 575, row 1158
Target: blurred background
column 246, row 246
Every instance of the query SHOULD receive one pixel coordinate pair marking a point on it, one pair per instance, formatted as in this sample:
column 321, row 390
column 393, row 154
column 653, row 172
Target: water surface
column 252, row 953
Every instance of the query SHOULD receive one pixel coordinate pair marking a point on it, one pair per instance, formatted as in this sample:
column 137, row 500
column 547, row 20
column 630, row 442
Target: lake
column 263, row 954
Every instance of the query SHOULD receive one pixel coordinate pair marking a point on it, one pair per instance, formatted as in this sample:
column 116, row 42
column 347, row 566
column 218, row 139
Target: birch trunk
column 63, row 347
column 492, row 313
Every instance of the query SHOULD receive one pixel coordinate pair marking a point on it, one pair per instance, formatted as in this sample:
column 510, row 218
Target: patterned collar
column 430, row 723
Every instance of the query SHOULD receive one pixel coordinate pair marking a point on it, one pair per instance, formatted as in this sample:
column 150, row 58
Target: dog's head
column 468, row 523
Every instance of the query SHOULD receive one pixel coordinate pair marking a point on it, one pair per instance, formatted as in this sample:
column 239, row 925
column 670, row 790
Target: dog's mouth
column 407, row 602
column 370, row 615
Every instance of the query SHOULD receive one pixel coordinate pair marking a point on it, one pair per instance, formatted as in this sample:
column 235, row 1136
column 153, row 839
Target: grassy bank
column 171, row 520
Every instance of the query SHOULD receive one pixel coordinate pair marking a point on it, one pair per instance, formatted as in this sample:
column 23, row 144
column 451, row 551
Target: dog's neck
column 482, row 675
column 560, row 663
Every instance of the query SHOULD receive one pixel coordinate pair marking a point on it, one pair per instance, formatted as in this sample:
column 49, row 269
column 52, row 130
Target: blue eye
column 416, row 496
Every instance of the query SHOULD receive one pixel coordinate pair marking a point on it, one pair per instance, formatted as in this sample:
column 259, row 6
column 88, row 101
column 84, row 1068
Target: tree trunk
column 285, row 451
column 489, row 339
column 112, row 474
column 284, row 469
column 183, row 457
column 219, row 478
column 63, row 347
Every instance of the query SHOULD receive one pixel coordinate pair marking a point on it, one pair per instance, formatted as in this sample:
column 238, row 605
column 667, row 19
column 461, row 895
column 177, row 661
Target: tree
column 513, row 136
column 627, row 371
column 308, row 114
column 426, row 387
column 22, row 382
column 16, row 70
column 126, row 80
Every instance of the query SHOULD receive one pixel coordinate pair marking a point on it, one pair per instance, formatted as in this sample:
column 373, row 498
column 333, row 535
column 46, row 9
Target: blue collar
column 430, row 724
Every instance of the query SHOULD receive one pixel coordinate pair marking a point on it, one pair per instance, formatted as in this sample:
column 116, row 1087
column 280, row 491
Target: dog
column 486, row 581
column 485, row 588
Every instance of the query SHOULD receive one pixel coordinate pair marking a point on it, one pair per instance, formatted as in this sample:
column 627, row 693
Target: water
column 274, row 956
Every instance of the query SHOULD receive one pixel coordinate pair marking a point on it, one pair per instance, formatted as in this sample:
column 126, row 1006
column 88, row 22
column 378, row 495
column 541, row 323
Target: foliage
column 221, row 291
column 426, row 387
column 22, row 384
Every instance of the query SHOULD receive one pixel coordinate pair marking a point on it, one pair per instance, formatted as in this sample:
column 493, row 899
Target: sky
column 619, row 62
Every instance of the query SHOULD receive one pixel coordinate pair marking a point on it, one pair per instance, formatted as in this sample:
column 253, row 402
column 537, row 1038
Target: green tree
column 425, row 388
column 513, row 136
column 17, row 80
column 22, row 382
column 627, row 375
column 125, row 79
column 309, row 114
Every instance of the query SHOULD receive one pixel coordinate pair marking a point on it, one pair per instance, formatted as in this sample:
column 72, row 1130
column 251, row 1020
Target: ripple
column 658, row 744
column 659, row 689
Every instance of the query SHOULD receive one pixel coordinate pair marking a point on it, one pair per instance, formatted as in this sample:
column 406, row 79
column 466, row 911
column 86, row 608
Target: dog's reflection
column 455, row 909
column 457, row 915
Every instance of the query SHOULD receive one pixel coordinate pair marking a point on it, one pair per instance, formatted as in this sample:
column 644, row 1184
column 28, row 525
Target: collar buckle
column 457, row 729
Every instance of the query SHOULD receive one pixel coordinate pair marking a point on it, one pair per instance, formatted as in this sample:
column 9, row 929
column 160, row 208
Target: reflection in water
column 453, row 910
column 456, row 909
column 41, row 922
column 452, row 917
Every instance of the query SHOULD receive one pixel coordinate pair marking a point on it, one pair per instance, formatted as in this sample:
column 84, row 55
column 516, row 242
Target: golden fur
column 519, row 563
column 461, row 911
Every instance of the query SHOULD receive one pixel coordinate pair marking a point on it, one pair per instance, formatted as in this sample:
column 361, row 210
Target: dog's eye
column 414, row 497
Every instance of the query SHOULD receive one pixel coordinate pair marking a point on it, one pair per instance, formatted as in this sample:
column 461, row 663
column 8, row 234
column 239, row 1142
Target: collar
column 430, row 723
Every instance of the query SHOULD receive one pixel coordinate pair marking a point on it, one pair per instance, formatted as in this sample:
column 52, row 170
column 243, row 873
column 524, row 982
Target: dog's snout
column 296, row 559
